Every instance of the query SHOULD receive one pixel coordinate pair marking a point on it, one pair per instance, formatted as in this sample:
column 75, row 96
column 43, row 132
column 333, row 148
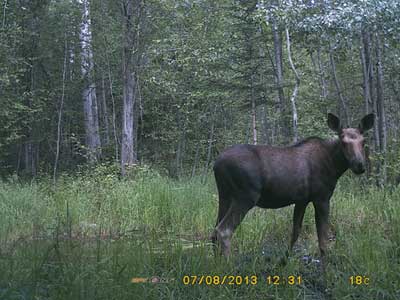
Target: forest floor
column 89, row 237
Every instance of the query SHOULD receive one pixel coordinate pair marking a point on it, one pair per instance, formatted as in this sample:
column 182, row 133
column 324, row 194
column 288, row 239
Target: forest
column 113, row 112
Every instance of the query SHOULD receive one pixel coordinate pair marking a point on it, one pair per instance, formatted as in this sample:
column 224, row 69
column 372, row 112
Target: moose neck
column 339, row 160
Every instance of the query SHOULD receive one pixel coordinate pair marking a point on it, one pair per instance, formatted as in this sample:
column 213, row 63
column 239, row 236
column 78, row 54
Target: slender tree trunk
column 4, row 13
column 262, row 115
column 182, row 156
column 196, row 160
column 264, row 125
column 30, row 163
column 322, row 75
column 365, row 61
column 372, row 85
column 60, row 112
column 381, row 108
column 279, row 77
column 275, row 128
column 295, row 89
column 320, row 70
column 181, row 141
column 114, row 117
column 19, row 159
column 136, row 121
column 210, row 143
column 141, row 109
column 338, row 88
column 253, row 112
column 90, row 107
column 105, row 111
column 248, row 135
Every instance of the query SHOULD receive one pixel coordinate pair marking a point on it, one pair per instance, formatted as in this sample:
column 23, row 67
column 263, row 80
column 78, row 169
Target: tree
column 172, row 83
column 90, row 107
column 131, row 15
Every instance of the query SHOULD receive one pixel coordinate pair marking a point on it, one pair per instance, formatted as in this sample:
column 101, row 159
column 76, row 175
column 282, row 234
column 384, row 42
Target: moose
column 275, row 177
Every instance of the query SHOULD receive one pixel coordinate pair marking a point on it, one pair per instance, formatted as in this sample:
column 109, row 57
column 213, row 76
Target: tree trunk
column 30, row 162
column 60, row 111
column 370, row 70
column 182, row 156
column 322, row 75
column 131, row 31
column 366, row 66
column 90, row 108
column 196, row 160
column 279, row 78
column 18, row 160
column 4, row 13
column 181, row 142
column 110, row 86
column 105, row 111
column 210, row 143
column 320, row 70
column 114, row 117
column 140, row 111
column 365, row 60
column 128, row 156
column 30, row 166
column 253, row 112
column 264, row 125
column 338, row 88
column 136, row 112
column 295, row 89
column 381, row 109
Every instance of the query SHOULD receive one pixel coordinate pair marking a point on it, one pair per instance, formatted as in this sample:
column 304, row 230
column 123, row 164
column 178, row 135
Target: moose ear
column 333, row 122
column 367, row 122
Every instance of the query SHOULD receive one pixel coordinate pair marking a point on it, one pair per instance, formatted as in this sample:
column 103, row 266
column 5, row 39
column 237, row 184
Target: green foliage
column 199, row 64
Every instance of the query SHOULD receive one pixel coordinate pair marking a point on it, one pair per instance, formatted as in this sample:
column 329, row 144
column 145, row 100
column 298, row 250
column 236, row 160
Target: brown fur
column 274, row 177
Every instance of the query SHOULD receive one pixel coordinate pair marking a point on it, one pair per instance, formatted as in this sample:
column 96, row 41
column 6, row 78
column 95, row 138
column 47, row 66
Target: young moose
column 273, row 177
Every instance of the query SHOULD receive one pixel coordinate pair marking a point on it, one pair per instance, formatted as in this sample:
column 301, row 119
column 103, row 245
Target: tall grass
column 89, row 236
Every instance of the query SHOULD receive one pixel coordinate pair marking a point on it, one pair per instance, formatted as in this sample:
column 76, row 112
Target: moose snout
column 358, row 167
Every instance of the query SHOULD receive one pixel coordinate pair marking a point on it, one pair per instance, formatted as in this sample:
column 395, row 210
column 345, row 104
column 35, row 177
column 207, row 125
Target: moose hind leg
column 225, row 229
column 298, row 215
column 223, row 207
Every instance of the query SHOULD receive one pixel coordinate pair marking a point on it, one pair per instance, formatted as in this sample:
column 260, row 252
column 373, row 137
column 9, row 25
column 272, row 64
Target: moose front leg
column 322, row 224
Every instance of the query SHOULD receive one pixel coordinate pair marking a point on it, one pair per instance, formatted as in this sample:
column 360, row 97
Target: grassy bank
column 88, row 237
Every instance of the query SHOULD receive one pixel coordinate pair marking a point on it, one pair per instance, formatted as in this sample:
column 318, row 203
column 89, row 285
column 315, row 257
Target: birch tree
column 90, row 108
column 296, row 86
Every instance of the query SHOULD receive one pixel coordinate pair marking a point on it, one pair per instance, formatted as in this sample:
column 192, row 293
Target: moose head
column 352, row 141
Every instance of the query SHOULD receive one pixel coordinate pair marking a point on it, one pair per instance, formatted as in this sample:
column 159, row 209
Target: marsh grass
column 89, row 236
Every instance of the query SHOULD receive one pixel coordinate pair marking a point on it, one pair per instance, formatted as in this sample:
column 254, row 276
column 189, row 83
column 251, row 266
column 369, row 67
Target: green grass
column 90, row 235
